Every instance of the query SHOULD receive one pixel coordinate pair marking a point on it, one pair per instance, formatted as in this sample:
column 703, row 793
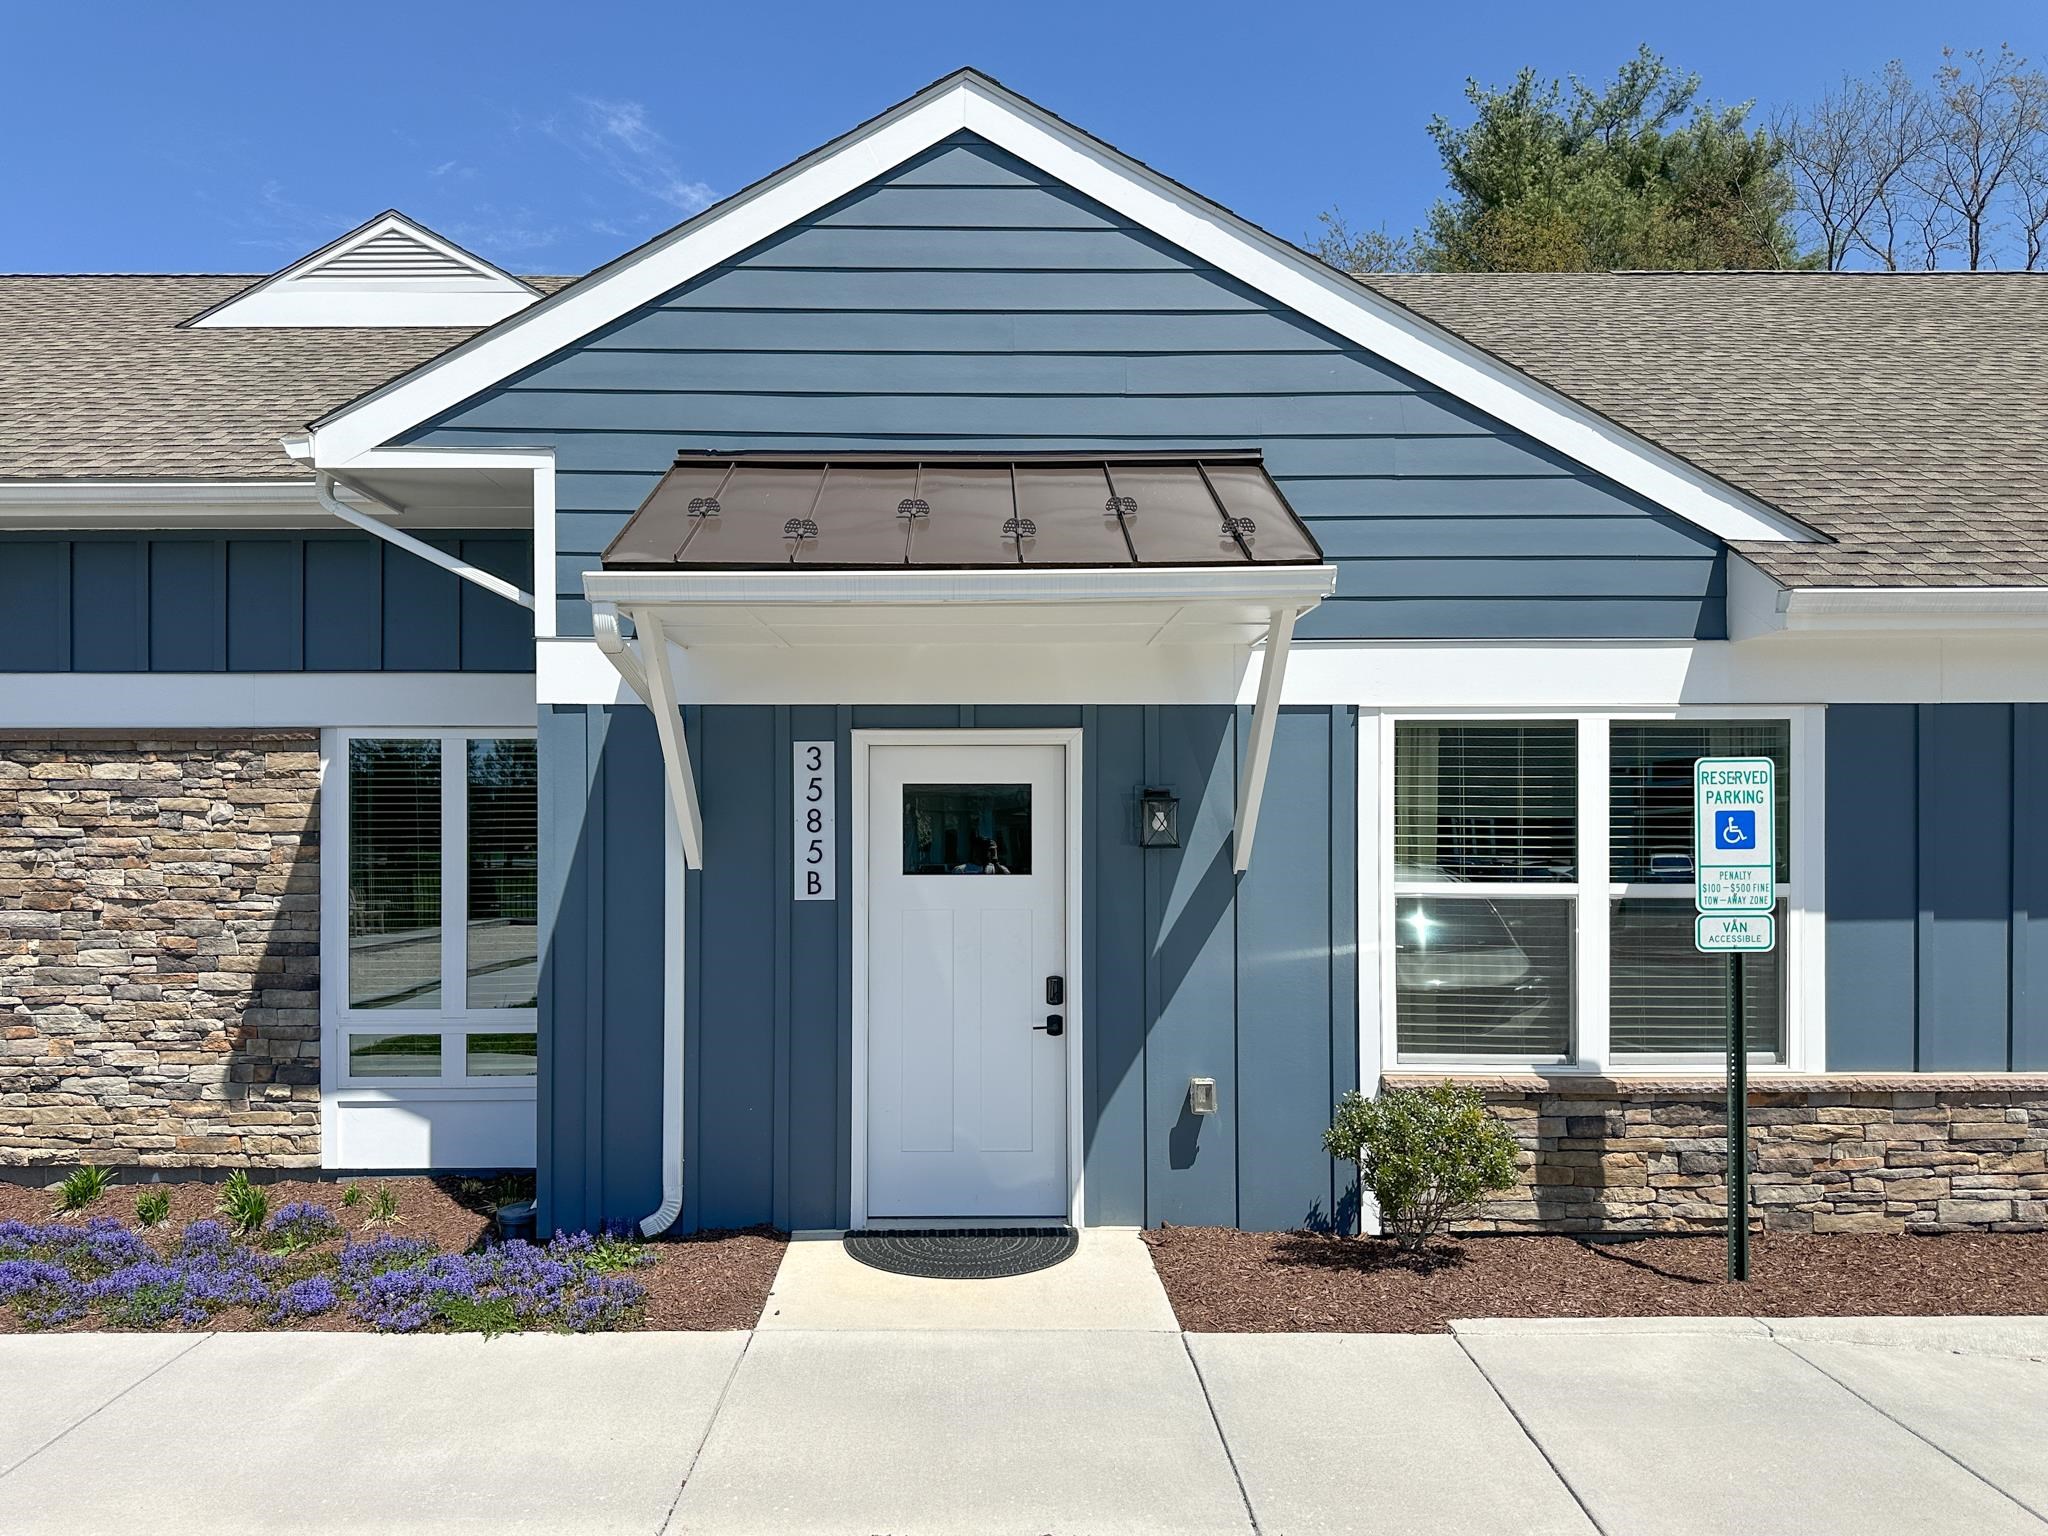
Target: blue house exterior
column 1462, row 734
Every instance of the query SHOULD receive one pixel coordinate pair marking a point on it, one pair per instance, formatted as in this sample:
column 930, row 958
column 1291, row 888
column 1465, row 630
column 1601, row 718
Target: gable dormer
column 390, row 271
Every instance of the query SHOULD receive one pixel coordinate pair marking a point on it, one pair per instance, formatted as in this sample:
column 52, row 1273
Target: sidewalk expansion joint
column 1229, row 1456
column 1530, row 1435
column 103, row 1407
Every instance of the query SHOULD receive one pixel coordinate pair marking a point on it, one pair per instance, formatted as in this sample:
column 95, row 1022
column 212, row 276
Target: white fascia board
column 1298, row 585
column 1148, row 199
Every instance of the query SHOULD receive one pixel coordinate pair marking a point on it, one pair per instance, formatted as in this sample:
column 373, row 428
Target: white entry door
column 966, row 934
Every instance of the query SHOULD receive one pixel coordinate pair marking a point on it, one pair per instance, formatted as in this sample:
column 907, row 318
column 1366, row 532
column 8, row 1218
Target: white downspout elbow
column 323, row 490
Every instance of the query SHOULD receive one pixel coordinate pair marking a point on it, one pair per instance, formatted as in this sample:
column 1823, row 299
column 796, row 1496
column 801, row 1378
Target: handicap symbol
column 1735, row 829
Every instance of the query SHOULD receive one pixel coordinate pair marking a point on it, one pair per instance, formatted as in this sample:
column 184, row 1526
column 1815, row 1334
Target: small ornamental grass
column 243, row 1202
column 104, row 1272
column 1425, row 1154
column 83, row 1186
column 152, row 1207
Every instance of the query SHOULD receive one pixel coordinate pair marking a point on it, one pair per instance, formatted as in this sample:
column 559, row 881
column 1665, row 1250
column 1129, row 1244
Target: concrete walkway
column 1642, row 1426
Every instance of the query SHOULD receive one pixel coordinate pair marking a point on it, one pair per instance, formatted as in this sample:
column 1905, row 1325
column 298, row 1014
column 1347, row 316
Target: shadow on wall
column 159, row 950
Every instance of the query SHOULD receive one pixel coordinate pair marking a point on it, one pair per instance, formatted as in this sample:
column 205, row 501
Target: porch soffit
column 789, row 552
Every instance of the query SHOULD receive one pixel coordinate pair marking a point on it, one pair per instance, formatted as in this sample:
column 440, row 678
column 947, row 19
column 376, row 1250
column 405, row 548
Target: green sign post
column 1735, row 874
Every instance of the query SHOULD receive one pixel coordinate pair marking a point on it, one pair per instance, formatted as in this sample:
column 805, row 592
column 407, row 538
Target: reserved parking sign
column 1735, row 854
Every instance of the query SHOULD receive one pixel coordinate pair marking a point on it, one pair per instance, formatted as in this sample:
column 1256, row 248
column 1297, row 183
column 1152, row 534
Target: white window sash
column 454, row 1021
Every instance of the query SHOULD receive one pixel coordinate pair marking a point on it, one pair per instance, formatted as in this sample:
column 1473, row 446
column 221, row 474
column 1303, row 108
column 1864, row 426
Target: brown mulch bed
column 1221, row 1281
column 710, row 1280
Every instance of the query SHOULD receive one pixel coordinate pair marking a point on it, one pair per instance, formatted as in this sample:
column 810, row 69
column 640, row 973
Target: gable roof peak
column 390, row 270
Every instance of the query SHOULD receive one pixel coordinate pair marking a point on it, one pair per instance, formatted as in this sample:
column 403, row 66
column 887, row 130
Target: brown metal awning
column 973, row 511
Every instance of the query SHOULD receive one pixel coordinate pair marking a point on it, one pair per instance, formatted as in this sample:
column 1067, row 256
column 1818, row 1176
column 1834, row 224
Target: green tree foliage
column 1560, row 176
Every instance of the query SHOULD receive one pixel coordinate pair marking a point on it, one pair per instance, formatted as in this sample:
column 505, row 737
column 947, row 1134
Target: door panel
column 966, row 901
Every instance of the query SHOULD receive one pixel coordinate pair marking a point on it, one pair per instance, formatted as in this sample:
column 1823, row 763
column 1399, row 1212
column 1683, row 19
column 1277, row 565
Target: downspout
column 323, row 491
column 612, row 642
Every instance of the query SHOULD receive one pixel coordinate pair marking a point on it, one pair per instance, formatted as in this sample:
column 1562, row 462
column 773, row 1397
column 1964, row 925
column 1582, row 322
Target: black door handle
column 1053, row 1025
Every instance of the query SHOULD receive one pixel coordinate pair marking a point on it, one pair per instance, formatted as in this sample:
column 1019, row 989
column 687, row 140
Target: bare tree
column 1988, row 113
column 2030, row 202
column 1848, row 154
column 1363, row 251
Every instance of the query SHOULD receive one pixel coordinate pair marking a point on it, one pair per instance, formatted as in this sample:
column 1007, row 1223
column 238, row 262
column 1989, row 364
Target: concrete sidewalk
column 1624, row 1427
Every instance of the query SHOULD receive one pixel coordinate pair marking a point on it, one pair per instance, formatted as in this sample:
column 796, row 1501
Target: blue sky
column 223, row 137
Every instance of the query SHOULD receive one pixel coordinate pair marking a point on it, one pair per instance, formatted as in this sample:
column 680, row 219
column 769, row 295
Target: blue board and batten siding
column 1188, row 971
column 967, row 301
column 258, row 602
column 1937, row 887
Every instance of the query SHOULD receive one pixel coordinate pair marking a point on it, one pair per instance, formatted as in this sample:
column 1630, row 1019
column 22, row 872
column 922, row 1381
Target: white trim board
column 1784, row 669
column 275, row 700
column 970, row 101
column 855, row 890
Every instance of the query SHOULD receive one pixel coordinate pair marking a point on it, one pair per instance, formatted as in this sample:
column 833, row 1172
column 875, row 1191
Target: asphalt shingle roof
column 97, row 381
column 1901, row 415
column 1905, row 415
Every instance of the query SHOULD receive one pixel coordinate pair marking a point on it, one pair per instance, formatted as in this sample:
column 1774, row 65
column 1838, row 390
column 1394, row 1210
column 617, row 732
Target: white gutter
column 323, row 491
column 1914, row 608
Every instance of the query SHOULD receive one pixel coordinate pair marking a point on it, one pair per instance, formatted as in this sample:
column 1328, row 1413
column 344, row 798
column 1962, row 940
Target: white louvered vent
column 388, row 272
column 392, row 254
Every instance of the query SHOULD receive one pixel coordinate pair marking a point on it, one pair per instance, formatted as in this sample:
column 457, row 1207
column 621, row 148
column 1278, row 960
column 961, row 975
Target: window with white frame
column 1508, row 944
column 1486, row 880
column 1664, row 997
column 437, row 982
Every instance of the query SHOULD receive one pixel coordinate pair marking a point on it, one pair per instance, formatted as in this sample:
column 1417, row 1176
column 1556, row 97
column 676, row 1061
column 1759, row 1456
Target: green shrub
column 1424, row 1154
column 352, row 1196
column 243, row 1202
column 82, row 1186
column 153, row 1207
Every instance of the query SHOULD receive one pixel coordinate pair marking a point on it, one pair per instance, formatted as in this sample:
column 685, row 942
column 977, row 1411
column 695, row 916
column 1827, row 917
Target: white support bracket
column 323, row 491
column 660, row 693
column 1251, row 788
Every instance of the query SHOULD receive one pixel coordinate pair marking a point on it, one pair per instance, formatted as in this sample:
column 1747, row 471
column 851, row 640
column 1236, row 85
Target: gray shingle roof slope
column 97, row 381
column 1903, row 414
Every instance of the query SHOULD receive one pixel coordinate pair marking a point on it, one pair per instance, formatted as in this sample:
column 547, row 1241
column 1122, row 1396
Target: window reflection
column 967, row 829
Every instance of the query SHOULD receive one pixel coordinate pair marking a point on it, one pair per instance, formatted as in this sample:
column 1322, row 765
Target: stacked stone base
column 1868, row 1153
column 159, row 950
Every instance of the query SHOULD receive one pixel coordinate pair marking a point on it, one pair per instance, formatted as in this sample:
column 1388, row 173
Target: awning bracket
column 1251, row 788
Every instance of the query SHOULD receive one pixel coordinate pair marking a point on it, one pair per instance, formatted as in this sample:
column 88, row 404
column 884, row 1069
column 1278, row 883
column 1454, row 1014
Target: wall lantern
column 1158, row 819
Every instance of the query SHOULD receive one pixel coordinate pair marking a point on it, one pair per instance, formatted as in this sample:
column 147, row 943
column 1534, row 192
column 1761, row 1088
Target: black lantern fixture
column 1158, row 819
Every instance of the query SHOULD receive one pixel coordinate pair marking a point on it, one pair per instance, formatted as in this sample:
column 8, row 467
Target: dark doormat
column 976, row 1253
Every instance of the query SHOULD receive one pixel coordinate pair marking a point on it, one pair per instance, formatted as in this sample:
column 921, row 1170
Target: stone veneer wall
column 159, row 949
column 1881, row 1153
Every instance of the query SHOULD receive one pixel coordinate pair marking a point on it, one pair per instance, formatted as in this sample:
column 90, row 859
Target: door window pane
column 394, row 1055
column 1650, row 793
column 1492, row 802
column 1669, row 999
column 506, row 1055
column 967, row 829
column 1481, row 977
column 504, row 864
column 394, row 873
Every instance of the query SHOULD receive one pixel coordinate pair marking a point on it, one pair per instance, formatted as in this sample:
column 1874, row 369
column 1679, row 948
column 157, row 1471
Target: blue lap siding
column 967, row 301
column 1189, row 970
column 258, row 602
column 1937, row 887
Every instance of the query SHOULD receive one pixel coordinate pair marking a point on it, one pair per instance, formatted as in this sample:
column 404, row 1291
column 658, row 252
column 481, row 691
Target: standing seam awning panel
column 963, row 512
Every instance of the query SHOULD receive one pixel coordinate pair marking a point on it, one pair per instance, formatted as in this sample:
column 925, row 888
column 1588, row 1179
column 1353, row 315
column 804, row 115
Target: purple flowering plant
column 53, row 1274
